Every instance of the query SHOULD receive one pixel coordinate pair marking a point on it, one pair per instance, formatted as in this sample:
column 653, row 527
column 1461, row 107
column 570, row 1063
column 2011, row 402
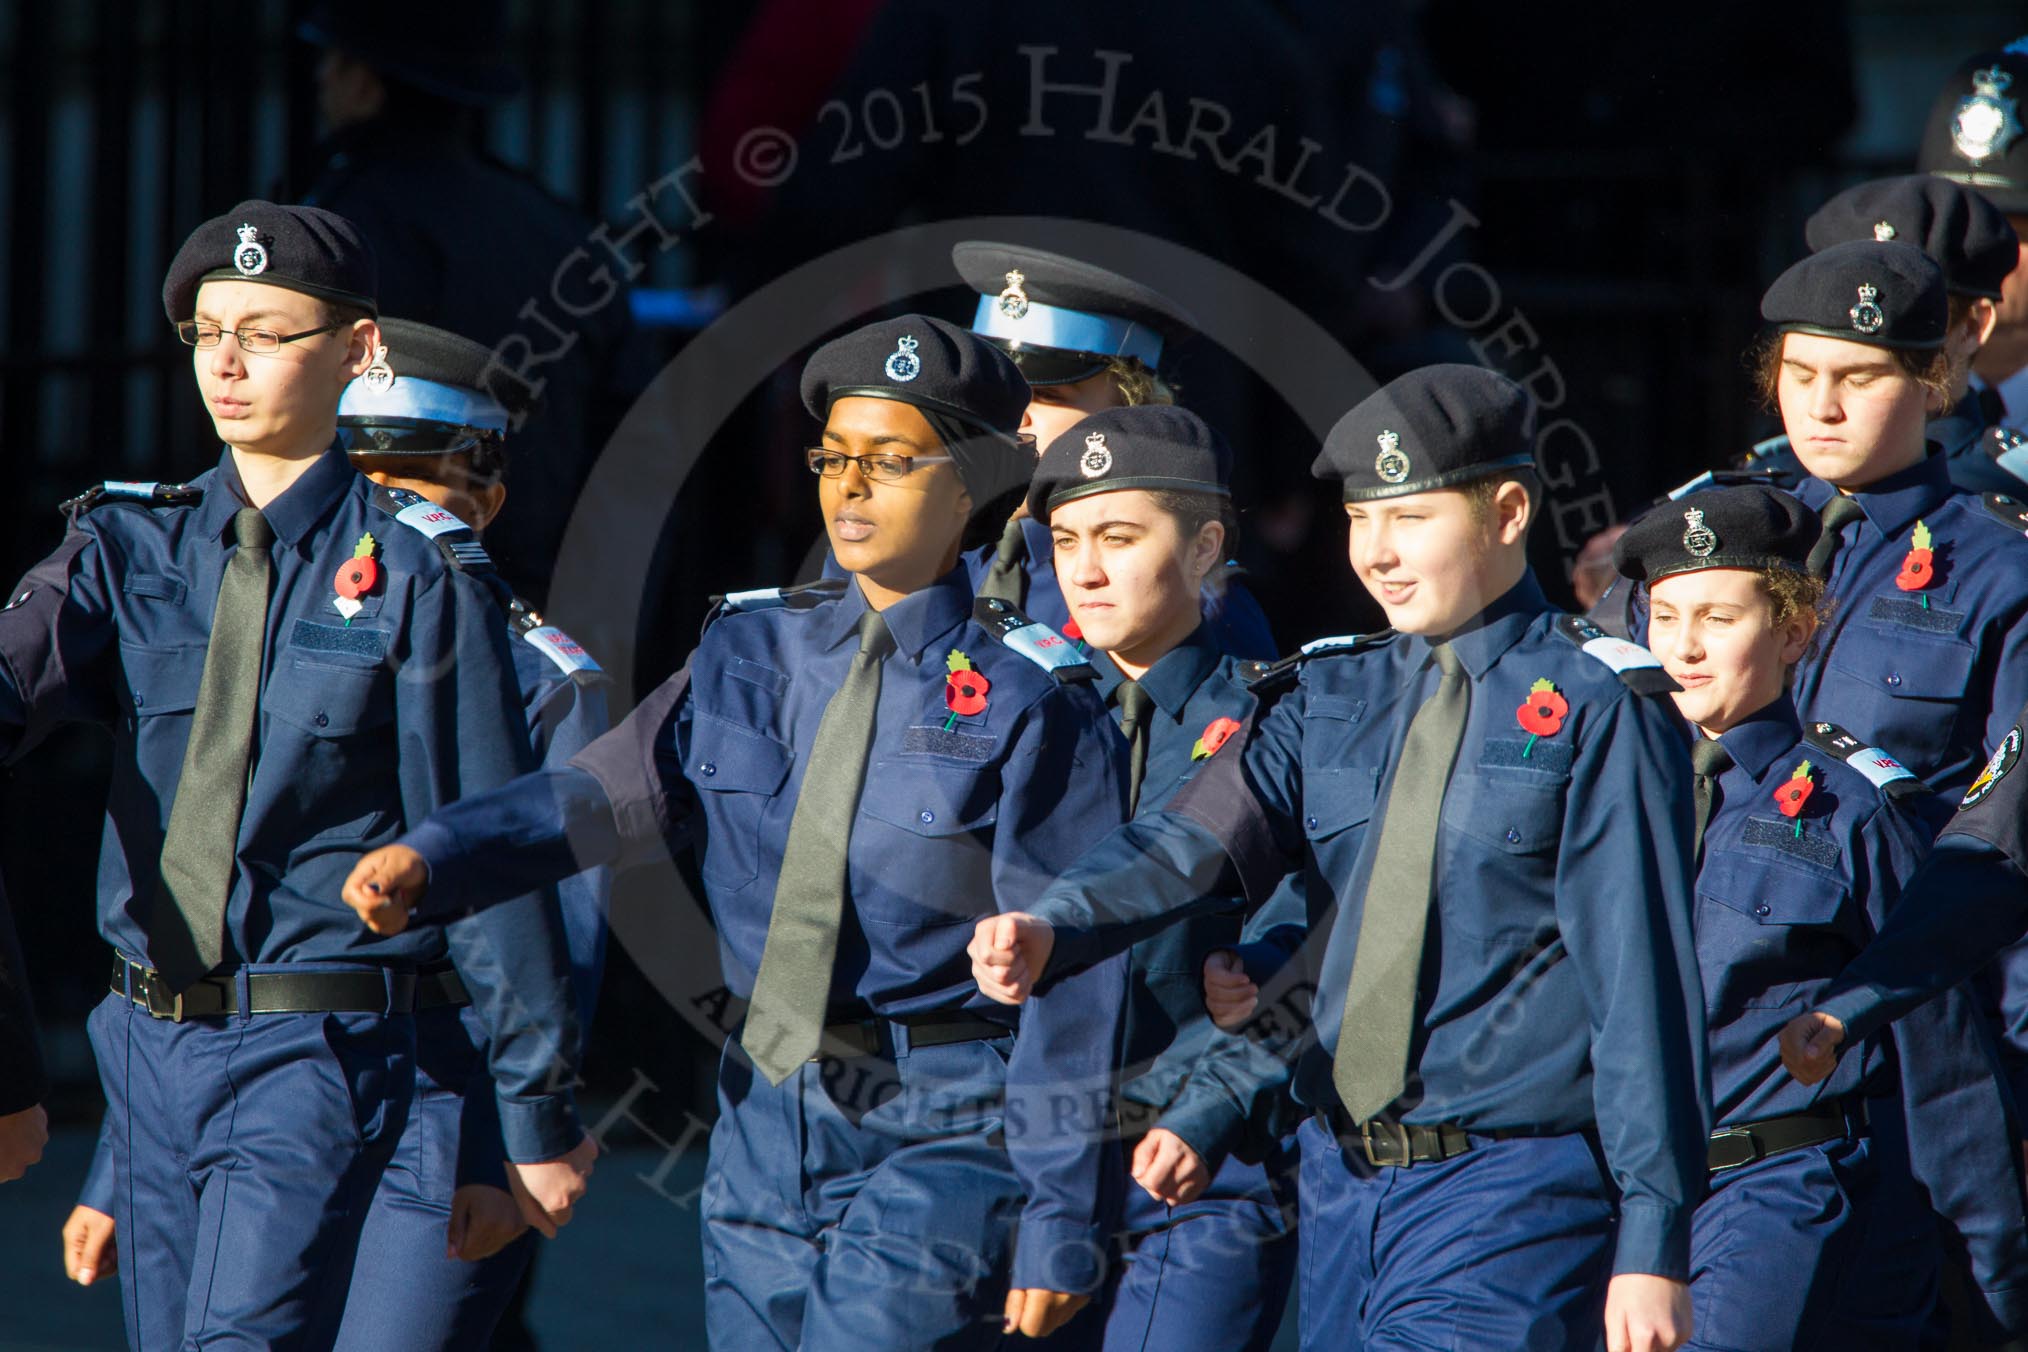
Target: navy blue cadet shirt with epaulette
column 984, row 813
column 1557, row 1007
column 367, row 723
column 1196, row 1080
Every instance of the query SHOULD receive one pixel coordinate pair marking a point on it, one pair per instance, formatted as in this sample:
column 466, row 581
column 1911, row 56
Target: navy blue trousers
column 1507, row 1246
column 876, row 1213
column 1829, row 1247
column 245, row 1151
column 1211, row 1275
column 407, row 1291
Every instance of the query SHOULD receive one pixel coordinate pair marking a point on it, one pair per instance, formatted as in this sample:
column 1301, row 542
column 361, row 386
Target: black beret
column 1435, row 427
column 967, row 388
column 1744, row 526
column 1149, row 446
column 1967, row 236
column 433, row 382
column 306, row 249
column 1882, row 293
column 1063, row 320
column 1975, row 134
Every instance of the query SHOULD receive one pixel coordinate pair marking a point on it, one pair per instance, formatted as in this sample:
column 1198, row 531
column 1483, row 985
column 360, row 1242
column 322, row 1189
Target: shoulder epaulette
column 799, row 597
column 2009, row 450
column 2012, row 511
column 1768, row 449
column 566, row 652
column 1338, row 645
column 456, row 541
column 1035, row 641
column 1638, row 669
column 1888, row 775
column 151, row 494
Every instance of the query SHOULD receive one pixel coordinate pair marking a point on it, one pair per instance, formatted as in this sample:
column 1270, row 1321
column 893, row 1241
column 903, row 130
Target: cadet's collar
column 1486, row 637
column 293, row 515
column 1895, row 503
column 1175, row 676
column 1763, row 737
column 917, row 621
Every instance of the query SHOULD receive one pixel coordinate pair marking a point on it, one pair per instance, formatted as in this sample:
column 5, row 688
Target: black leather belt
column 1397, row 1145
column 290, row 992
column 876, row 1037
column 1734, row 1147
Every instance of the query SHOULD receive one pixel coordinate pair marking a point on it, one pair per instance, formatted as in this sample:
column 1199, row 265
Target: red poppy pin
column 357, row 576
column 1791, row 796
column 1215, row 735
column 1918, row 570
column 1542, row 713
column 1075, row 633
column 965, row 690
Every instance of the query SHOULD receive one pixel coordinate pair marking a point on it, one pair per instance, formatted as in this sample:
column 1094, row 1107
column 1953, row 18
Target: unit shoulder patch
column 1638, row 669
column 1886, row 773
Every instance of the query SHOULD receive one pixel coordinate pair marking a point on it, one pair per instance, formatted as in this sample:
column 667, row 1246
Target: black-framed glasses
column 880, row 468
column 199, row 333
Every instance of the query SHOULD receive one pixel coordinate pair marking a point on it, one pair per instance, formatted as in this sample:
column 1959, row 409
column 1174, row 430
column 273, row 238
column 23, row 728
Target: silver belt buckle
column 1393, row 1133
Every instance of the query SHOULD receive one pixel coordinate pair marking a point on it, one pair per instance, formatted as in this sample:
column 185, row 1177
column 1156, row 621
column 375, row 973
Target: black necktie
column 186, row 928
column 1709, row 759
column 1370, row 1067
column 792, row 990
column 1003, row 577
column 1135, row 705
column 1834, row 515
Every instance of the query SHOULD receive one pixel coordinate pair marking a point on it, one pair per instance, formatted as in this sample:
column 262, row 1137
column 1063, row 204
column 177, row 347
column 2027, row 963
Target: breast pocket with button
column 738, row 772
column 1766, row 929
column 1903, row 691
column 328, row 749
column 925, row 827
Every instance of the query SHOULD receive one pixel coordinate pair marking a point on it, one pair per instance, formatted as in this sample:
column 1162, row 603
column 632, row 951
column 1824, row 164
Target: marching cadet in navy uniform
column 430, row 428
column 1510, row 1023
column 863, row 766
column 1137, row 502
column 1086, row 339
column 294, row 667
column 1816, row 1233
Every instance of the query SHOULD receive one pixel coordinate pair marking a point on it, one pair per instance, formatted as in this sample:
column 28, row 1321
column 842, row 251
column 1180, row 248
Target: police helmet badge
column 1867, row 316
column 902, row 364
column 1986, row 122
column 1013, row 301
column 379, row 375
column 1883, row 231
column 1699, row 540
column 1392, row 463
column 1097, row 459
column 251, row 256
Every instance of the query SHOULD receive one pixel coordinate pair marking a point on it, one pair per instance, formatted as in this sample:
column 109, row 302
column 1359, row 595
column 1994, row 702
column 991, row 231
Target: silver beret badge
column 250, row 257
column 902, row 364
column 1392, row 462
column 1867, row 316
column 1699, row 540
column 1097, row 459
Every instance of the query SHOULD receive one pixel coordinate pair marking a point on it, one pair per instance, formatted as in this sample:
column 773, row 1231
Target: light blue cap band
column 1069, row 330
column 425, row 400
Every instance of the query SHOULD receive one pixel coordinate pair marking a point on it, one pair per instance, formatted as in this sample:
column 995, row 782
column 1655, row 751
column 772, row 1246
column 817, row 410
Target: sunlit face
column 1715, row 633
column 1129, row 576
column 446, row 480
column 1852, row 414
column 903, row 535
column 1055, row 409
column 270, row 402
column 1431, row 560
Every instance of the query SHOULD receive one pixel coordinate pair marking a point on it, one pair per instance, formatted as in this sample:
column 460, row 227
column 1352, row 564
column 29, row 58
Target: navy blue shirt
column 364, row 728
column 1567, row 994
column 1212, row 1088
column 954, row 824
column 1935, row 685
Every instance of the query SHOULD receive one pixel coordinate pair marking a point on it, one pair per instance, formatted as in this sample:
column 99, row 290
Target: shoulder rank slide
column 1888, row 775
column 568, row 654
column 2010, row 510
column 1338, row 645
column 1638, row 669
column 800, row 597
column 1035, row 641
column 151, row 493
column 456, row 541
column 2009, row 450
column 1775, row 445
